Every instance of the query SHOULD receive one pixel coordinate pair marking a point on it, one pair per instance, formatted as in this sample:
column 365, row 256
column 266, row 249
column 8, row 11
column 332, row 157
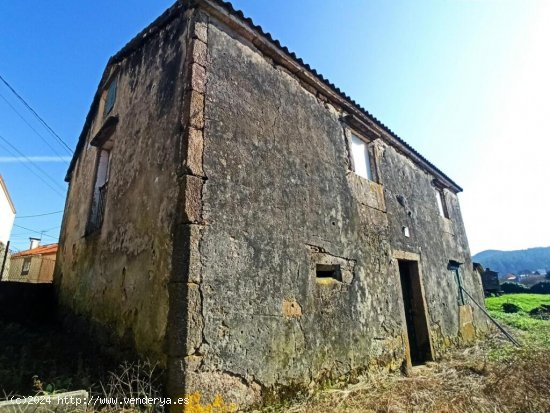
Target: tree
column 513, row 288
column 541, row 288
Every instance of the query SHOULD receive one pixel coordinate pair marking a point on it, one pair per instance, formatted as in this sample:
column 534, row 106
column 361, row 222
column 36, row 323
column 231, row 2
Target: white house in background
column 7, row 213
column 7, row 216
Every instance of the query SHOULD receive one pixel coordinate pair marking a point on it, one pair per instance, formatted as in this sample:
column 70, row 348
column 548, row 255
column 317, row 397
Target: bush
column 513, row 288
column 510, row 308
column 542, row 312
column 542, row 287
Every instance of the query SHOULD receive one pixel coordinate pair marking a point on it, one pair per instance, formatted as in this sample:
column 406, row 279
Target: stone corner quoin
column 234, row 217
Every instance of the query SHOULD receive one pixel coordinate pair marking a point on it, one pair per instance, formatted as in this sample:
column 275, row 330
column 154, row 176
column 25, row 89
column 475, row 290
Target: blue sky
column 464, row 82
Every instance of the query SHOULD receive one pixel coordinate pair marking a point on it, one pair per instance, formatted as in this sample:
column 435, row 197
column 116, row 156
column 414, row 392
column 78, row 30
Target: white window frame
column 361, row 156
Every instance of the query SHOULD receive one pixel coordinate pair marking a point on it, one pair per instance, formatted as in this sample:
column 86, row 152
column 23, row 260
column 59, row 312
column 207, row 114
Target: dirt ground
column 490, row 377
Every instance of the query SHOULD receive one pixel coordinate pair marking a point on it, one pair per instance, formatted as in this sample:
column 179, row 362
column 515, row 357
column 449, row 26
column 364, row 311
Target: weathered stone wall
column 117, row 277
column 230, row 181
column 411, row 202
column 278, row 198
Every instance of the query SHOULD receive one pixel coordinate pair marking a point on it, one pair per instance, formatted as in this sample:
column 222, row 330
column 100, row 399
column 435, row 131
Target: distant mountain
column 514, row 261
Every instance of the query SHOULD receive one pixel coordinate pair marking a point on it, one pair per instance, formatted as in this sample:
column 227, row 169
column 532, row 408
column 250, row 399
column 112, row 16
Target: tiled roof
column 170, row 13
column 41, row 250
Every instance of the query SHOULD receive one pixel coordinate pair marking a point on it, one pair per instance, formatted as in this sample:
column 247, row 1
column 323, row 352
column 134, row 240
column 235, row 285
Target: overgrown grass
column 526, row 301
column 534, row 332
column 464, row 382
column 490, row 377
column 44, row 359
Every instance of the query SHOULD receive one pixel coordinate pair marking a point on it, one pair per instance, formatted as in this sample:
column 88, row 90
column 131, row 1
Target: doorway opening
column 415, row 313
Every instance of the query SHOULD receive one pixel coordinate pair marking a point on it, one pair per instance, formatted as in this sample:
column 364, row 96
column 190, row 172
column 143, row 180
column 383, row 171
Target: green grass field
column 526, row 301
column 535, row 332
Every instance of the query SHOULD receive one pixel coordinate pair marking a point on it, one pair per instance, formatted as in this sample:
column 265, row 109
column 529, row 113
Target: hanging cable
column 27, row 159
column 39, row 215
column 61, row 141
column 56, row 190
column 33, row 129
column 36, row 232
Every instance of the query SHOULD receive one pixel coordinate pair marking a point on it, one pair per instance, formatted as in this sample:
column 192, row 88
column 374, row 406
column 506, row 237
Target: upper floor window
column 361, row 157
column 99, row 196
column 441, row 204
column 110, row 98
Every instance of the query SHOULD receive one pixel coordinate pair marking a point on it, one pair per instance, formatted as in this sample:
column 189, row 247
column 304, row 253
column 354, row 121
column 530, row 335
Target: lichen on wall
column 280, row 193
column 116, row 277
column 239, row 248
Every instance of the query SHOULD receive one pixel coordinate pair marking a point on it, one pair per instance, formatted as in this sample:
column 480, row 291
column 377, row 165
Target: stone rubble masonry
column 185, row 325
column 231, row 183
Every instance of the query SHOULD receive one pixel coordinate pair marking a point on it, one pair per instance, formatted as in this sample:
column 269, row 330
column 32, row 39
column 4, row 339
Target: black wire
column 39, row 215
column 34, row 130
column 36, row 166
column 37, row 232
column 36, row 114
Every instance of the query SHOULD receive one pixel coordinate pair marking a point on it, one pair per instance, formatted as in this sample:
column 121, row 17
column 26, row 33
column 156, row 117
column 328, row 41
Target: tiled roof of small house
column 40, row 250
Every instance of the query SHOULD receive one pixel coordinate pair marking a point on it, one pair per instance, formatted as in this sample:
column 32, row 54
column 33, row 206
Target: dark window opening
column 99, row 196
column 26, row 266
column 328, row 271
column 110, row 99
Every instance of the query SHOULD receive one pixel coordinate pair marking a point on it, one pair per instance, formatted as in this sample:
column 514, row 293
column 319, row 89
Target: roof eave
column 128, row 49
column 235, row 19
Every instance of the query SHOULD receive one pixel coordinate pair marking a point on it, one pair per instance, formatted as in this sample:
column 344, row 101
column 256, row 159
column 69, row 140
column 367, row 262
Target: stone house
column 35, row 265
column 236, row 217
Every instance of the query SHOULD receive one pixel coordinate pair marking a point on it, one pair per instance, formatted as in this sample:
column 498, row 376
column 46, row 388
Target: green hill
column 514, row 261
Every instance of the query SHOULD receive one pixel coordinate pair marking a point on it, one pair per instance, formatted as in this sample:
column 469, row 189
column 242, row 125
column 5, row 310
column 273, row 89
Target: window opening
column 441, row 204
column 26, row 266
column 361, row 157
column 100, row 191
column 110, row 98
column 329, row 271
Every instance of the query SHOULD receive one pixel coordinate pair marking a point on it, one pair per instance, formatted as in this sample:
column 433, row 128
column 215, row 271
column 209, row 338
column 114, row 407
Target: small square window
column 26, row 266
column 361, row 157
column 110, row 98
column 328, row 271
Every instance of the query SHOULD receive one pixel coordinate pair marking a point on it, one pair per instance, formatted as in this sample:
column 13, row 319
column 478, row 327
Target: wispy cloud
column 10, row 159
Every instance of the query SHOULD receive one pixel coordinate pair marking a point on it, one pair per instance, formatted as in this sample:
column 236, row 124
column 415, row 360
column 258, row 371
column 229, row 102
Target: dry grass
column 137, row 380
column 466, row 381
